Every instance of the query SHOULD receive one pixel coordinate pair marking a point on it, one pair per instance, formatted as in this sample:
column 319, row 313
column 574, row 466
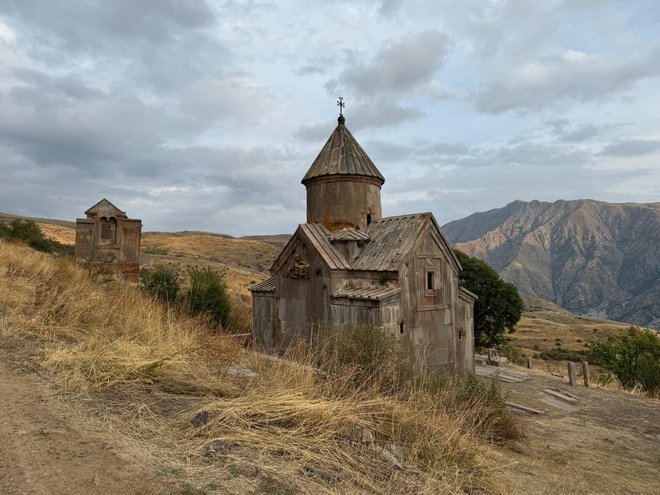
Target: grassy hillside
column 546, row 327
column 150, row 372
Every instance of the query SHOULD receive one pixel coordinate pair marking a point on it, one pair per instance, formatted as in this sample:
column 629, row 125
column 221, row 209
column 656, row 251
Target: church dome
column 342, row 156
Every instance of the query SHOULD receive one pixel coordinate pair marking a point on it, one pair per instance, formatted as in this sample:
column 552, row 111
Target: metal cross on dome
column 341, row 105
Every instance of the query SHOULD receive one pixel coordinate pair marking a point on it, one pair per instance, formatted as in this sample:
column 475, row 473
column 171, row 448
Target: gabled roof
column 317, row 237
column 265, row 286
column 392, row 238
column 348, row 235
column 104, row 204
column 342, row 155
column 369, row 293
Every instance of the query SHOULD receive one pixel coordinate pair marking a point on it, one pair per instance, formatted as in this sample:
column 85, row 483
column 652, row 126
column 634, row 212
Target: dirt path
column 45, row 451
column 607, row 443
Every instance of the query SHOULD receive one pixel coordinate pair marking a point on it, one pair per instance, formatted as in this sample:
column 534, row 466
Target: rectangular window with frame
column 429, row 280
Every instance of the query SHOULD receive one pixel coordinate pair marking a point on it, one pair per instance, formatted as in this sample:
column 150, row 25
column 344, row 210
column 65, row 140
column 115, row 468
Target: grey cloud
column 88, row 25
column 389, row 6
column 559, row 125
column 380, row 113
column 399, row 65
column 631, row 147
column 382, row 151
column 160, row 44
column 307, row 70
column 457, row 192
column 443, row 149
column 575, row 76
column 313, row 133
column 530, row 153
column 239, row 100
column 177, row 184
column 581, row 133
column 72, row 86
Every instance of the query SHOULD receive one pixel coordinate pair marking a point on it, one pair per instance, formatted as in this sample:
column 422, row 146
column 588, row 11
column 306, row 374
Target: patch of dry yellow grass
column 252, row 255
column 542, row 331
column 60, row 233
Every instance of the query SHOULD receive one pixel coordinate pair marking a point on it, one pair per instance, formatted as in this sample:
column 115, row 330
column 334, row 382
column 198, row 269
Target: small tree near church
column 499, row 306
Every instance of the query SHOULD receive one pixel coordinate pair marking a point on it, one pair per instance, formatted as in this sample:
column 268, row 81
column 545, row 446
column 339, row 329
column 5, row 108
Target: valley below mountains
column 593, row 258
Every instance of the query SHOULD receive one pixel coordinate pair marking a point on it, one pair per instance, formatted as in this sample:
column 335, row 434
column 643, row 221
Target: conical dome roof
column 342, row 155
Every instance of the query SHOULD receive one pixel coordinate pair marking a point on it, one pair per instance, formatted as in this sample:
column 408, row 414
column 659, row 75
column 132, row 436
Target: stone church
column 107, row 240
column 349, row 265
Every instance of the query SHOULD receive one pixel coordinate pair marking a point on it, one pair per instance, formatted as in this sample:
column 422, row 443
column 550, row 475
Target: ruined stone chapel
column 107, row 240
column 348, row 265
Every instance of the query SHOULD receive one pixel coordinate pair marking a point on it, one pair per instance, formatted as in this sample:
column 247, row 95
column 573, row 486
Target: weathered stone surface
column 215, row 447
column 324, row 475
column 391, row 460
column 201, row 418
column 108, row 241
column 367, row 436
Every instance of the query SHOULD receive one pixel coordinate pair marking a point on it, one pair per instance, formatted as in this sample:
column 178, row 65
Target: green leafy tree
column 208, row 295
column 160, row 282
column 499, row 306
column 633, row 356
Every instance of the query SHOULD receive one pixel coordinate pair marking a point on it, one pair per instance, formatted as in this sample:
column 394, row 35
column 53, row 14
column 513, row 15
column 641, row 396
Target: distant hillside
column 593, row 258
column 277, row 240
column 243, row 261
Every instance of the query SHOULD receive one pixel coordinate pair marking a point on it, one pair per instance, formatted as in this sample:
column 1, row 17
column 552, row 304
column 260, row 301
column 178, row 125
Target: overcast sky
column 198, row 115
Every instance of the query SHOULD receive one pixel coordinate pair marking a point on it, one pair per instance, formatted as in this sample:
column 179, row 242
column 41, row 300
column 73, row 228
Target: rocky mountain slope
column 593, row 258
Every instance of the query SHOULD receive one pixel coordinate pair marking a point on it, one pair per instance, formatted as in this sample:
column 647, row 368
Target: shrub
column 28, row 232
column 373, row 359
column 633, row 357
column 364, row 351
column 486, row 399
column 513, row 354
column 207, row 295
column 161, row 283
column 560, row 354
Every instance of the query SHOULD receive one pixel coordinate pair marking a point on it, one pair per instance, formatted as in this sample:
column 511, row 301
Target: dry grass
column 60, row 233
column 541, row 331
column 242, row 254
column 149, row 371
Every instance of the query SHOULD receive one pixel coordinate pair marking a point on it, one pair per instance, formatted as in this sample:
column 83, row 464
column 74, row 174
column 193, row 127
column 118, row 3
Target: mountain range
column 593, row 258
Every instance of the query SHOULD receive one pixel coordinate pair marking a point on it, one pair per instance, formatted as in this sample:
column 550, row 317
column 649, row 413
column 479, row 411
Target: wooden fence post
column 585, row 374
column 571, row 373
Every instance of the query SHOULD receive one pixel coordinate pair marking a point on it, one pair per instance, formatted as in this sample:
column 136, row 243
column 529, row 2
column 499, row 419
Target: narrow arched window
column 368, row 218
column 401, row 328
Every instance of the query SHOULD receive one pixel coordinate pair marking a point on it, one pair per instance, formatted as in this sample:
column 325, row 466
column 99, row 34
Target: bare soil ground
column 608, row 443
column 47, row 449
